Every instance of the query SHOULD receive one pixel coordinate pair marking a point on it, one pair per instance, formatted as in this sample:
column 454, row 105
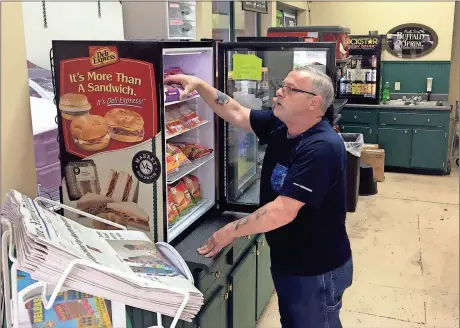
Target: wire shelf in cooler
column 182, row 132
column 181, row 101
column 188, row 168
column 185, row 220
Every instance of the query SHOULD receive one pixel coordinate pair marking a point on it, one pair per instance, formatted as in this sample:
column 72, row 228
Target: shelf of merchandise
column 185, row 131
column 181, row 101
column 188, row 168
column 184, row 221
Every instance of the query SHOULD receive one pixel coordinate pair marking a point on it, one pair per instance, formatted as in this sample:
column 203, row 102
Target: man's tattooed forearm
column 240, row 223
column 257, row 214
column 260, row 212
column 222, row 98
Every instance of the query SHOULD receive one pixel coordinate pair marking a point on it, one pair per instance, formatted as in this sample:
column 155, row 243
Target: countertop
column 395, row 105
column 187, row 248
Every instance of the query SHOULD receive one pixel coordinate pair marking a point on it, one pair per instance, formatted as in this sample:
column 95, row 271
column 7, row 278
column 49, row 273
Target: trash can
column 353, row 144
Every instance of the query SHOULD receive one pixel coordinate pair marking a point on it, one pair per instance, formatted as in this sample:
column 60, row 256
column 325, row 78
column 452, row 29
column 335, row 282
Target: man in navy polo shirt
column 302, row 196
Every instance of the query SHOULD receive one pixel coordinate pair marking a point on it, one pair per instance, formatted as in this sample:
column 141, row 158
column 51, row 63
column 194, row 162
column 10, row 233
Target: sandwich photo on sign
column 130, row 213
column 81, row 178
column 90, row 132
column 125, row 125
column 73, row 105
column 122, row 186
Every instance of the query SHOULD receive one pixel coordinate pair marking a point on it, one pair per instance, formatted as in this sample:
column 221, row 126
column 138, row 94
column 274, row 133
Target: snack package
column 181, row 196
column 173, row 213
column 174, row 71
column 193, row 151
column 189, row 117
column 171, row 93
column 174, row 158
column 173, row 121
column 193, row 187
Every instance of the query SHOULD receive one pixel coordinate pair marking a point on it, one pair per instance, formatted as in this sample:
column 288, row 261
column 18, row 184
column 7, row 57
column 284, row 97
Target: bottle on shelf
column 386, row 93
column 264, row 89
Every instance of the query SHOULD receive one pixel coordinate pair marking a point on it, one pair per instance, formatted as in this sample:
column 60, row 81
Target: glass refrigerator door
column 239, row 65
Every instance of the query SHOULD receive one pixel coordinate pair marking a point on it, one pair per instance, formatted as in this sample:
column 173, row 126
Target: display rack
column 11, row 295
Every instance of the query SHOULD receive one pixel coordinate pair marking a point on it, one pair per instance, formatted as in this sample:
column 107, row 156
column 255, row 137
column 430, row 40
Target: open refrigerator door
column 189, row 142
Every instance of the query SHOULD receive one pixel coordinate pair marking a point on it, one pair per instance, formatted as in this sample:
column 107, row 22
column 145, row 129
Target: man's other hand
column 218, row 240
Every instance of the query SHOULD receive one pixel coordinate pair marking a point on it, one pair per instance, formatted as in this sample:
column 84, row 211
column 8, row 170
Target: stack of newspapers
column 138, row 274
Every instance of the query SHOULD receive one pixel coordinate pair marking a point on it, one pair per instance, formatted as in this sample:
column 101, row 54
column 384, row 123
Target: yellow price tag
column 247, row 67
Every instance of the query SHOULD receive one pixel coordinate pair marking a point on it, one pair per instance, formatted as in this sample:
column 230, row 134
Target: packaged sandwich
column 173, row 213
column 174, row 71
column 181, row 196
column 189, row 117
column 173, row 121
column 121, row 186
column 93, row 203
column 193, row 151
column 193, row 186
column 81, row 178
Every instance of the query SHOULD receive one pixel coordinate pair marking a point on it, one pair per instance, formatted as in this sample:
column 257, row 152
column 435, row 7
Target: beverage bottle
column 264, row 89
column 386, row 93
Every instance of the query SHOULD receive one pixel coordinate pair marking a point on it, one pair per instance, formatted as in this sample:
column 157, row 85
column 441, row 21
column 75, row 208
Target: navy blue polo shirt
column 310, row 168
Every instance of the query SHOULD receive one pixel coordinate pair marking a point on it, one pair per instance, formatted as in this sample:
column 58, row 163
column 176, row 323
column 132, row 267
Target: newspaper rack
column 119, row 320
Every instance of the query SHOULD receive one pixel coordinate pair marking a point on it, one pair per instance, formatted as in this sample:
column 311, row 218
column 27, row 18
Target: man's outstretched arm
column 223, row 105
column 275, row 214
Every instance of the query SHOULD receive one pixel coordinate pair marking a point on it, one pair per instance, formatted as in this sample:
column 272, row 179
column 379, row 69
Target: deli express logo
column 411, row 40
column 104, row 56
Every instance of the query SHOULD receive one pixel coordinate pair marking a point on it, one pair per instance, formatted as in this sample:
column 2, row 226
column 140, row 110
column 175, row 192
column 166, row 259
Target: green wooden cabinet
column 242, row 298
column 214, row 313
column 411, row 138
column 397, row 144
column 265, row 287
column 427, row 150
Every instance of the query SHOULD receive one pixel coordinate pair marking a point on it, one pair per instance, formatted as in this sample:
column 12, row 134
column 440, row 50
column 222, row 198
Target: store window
column 230, row 21
column 221, row 19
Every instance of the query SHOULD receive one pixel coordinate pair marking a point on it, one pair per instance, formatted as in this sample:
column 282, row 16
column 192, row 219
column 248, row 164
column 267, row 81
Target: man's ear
column 317, row 101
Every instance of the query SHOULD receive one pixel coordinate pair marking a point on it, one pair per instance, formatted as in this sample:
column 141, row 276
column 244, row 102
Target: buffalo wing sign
column 411, row 40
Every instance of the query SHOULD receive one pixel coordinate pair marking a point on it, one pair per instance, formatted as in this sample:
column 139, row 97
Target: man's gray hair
column 321, row 83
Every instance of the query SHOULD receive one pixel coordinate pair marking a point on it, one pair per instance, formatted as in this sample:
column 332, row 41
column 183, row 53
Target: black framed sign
column 256, row 6
column 411, row 40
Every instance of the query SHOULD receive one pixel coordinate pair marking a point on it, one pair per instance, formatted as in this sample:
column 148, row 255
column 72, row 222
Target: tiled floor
column 405, row 243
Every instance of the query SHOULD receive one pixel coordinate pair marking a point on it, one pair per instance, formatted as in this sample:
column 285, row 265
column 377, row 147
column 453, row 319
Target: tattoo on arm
column 222, row 98
column 258, row 214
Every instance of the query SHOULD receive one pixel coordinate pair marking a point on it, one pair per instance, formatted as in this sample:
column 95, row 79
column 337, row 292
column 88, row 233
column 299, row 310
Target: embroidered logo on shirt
column 278, row 175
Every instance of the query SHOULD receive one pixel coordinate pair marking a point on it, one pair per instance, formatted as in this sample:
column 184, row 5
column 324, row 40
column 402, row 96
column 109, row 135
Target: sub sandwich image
column 73, row 105
column 90, row 132
column 128, row 214
column 122, row 186
column 94, row 204
column 125, row 125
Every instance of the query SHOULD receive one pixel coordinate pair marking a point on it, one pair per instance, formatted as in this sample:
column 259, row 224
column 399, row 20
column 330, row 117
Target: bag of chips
column 174, row 158
column 193, row 187
column 181, row 196
column 193, row 151
column 173, row 213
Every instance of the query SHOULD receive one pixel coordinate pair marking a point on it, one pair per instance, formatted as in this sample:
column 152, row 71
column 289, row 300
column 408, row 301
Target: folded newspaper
column 141, row 276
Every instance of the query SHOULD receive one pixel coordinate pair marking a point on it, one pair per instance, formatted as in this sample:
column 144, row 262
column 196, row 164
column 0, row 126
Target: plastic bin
column 49, row 176
column 353, row 143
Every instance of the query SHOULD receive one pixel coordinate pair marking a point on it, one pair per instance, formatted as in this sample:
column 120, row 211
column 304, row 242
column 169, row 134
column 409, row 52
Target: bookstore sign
column 411, row 40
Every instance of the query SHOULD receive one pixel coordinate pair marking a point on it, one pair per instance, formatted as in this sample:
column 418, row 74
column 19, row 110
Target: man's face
column 296, row 98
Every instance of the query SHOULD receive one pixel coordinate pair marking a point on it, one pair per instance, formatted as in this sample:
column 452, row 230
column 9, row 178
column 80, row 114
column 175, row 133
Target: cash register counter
column 236, row 283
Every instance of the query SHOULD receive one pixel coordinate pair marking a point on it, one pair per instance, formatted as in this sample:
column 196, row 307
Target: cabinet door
column 397, row 146
column 369, row 135
column 214, row 313
column 265, row 286
column 243, row 292
column 429, row 149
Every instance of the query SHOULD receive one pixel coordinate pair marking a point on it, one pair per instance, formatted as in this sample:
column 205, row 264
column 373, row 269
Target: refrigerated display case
column 360, row 76
column 133, row 153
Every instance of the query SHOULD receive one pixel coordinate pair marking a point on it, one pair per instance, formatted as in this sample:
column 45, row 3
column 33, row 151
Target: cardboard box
column 376, row 159
column 370, row 146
